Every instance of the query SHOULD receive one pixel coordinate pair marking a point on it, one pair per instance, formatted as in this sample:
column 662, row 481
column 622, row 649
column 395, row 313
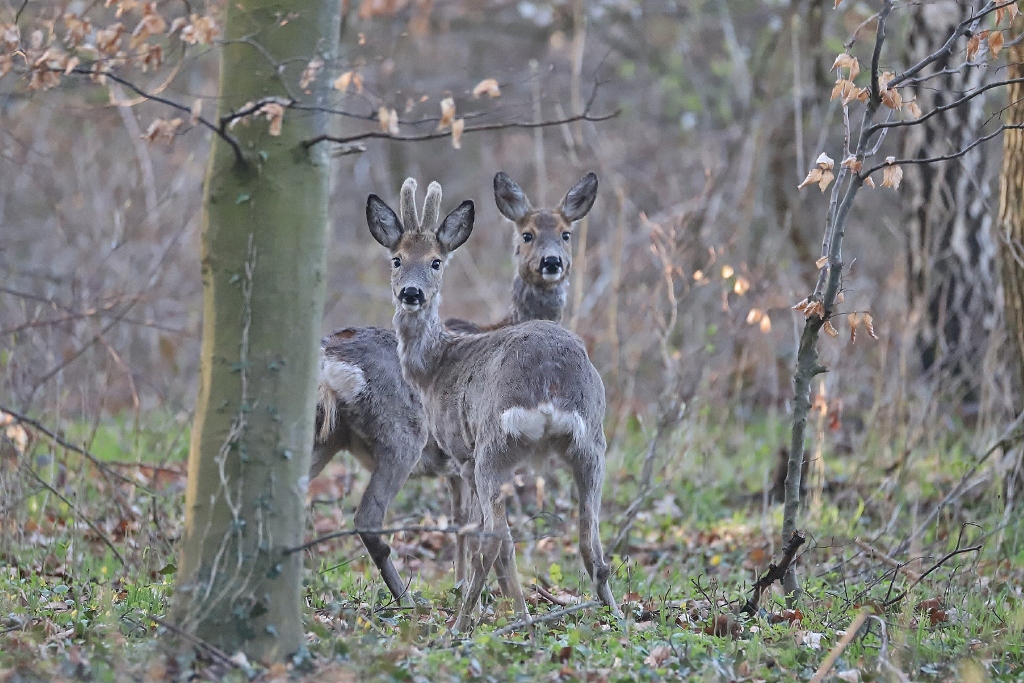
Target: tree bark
column 263, row 237
column 1011, row 209
column 951, row 245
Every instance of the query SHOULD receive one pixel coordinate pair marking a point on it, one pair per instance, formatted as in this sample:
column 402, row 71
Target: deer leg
column 460, row 517
column 588, row 471
column 492, row 506
column 385, row 482
column 508, row 577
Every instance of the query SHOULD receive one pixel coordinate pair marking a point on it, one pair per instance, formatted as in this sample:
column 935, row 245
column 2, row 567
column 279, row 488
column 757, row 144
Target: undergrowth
column 87, row 564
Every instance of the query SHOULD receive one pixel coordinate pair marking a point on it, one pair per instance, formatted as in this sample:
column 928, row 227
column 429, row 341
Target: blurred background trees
column 696, row 250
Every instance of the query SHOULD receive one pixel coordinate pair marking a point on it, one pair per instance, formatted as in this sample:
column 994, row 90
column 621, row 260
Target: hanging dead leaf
column 842, row 90
column 912, row 109
column 447, row 113
column 6, row 64
column 821, row 263
column 854, row 320
column 840, row 298
column 995, row 42
column 802, row 306
column 829, row 330
column 853, row 163
column 821, row 174
column 891, row 98
column 766, row 324
column 197, row 111
column 884, row 79
column 869, row 182
column 754, row 316
column 741, row 286
column 869, row 325
column 108, row 39
column 488, row 86
column 275, row 114
column 162, row 131
column 152, row 24
column 973, row 45
column 201, row 31
column 1012, row 10
column 727, row 272
column 71, row 65
column 847, row 61
column 892, row 174
column 311, row 71
column 825, row 161
column 343, row 81
column 457, row 127
column 11, row 37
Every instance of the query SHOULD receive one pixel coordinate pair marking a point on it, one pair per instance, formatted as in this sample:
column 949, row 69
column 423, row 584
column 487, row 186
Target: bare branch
column 947, row 157
column 376, row 134
column 945, row 107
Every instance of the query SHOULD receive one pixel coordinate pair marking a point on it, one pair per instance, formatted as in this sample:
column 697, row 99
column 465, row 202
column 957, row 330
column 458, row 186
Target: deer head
column 543, row 241
column 419, row 246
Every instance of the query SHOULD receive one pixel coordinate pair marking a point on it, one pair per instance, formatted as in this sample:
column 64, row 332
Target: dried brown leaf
column 766, row 324
column 11, row 37
column 197, row 111
column 343, row 81
column 891, row 98
column 853, row 163
column 869, row 182
column 311, row 71
column 658, row 656
column 842, row 90
column 829, row 330
column 892, row 175
column 741, row 286
column 869, row 323
column 754, row 316
column 488, row 86
column 973, row 45
column 820, row 263
column 202, row 30
column 802, row 306
column 457, row 127
column 447, row 113
column 162, row 131
column 275, row 114
column 995, row 42
column 912, row 109
column 826, row 179
column 854, row 320
column 727, row 272
column 824, row 161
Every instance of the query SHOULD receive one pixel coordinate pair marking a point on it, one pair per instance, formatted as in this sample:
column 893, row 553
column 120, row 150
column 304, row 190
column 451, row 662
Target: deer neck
column 422, row 340
column 535, row 303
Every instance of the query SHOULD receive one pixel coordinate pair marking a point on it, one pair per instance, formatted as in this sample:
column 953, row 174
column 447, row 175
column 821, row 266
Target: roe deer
column 493, row 400
column 364, row 405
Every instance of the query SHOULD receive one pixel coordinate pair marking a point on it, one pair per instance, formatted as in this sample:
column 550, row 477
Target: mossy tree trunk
column 1011, row 208
column 263, row 234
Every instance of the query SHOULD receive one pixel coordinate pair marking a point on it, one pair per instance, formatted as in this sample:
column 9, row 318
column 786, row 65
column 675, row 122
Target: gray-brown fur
column 382, row 425
column 542, row 236
column 495, row 400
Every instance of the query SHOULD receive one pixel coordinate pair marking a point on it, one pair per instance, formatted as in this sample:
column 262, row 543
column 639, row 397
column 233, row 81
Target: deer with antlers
column 493, row 400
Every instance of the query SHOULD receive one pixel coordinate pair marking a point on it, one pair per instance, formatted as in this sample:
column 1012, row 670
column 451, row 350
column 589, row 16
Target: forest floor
column 934, row 580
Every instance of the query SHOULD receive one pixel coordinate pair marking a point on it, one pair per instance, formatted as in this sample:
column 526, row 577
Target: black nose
column 551, row 264
column 411, row 296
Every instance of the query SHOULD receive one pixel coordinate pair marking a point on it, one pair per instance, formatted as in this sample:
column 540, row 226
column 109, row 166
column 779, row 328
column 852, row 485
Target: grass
column 70, row 610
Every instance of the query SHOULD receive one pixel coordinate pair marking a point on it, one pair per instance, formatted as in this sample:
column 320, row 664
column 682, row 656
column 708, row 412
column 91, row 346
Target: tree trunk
column 952, row 278
column 1011, row 209
column 263, row 234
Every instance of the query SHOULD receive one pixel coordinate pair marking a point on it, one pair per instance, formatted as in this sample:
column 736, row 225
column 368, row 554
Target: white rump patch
column 339, row 381
column 533, row 424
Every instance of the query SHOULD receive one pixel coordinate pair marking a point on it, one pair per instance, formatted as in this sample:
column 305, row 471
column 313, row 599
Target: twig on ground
column 394, row 530
column 554, row 599
column 550, row 616
column 851, row 633
column 774, row 573
column 945, row 558
column 81, row 515
column 887, row 559
column 214, row 652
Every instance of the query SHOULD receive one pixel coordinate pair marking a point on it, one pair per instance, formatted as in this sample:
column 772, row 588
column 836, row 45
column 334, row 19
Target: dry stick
column 774, row 573
column 53, row 436
column 554, row 599
column 550, row 616
column 376, row 134
column 1006, row 441
column 948, row 556
column 394, row 530
column 887, row 559
column 81, row 515
column 851, row 633
column 215, row 652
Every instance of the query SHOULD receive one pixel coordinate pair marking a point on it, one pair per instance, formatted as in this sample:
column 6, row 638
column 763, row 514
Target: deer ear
column 383, row 223
column 510, row 198
column 456, row 227
column 580, row 199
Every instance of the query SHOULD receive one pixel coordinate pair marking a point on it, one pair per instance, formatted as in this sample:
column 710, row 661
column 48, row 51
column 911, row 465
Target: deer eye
column 436, row 264
column 566, row 235
column 527, row 236
column 396, row 262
